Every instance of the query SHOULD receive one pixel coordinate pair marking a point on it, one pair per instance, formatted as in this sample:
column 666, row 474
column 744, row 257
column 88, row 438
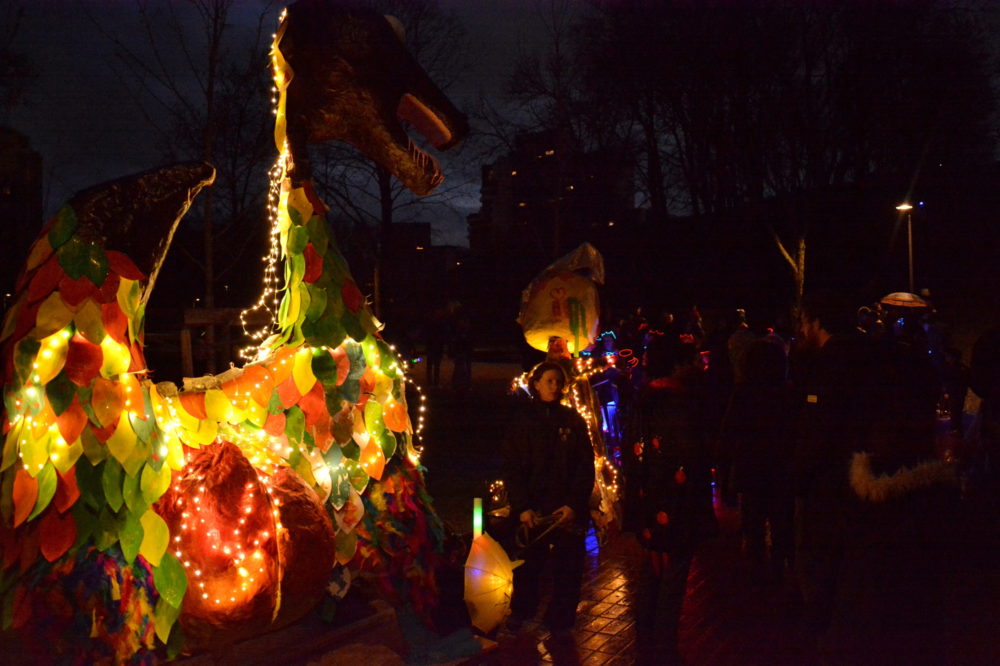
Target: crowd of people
column 825, row 436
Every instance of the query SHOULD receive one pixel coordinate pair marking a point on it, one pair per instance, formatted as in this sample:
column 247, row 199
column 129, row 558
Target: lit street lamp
column 908, row 209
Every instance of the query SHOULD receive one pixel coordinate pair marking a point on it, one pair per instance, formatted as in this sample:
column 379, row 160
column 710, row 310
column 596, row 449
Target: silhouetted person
column 869, row 322
column 672, row 508
column 899, row 539
column 984, row 380
column 718, row 390
column 829, row 371
column 607, row 388
column 695, row 326
column 955, row 384
column 583, row 400
column 758, row 428
column 631, row 342
column 436, row 336
column 737, row 344
column 859, row 394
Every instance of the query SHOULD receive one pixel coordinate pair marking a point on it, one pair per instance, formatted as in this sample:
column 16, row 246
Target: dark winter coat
column 860, row 395
column 854, row 394
column 548, row 461
column 831, row 410
column 899, row 544
column 671, row 473
column 758, row 430
column 984, row 380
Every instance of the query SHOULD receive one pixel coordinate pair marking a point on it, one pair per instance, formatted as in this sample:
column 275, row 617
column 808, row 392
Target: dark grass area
column 462, row 439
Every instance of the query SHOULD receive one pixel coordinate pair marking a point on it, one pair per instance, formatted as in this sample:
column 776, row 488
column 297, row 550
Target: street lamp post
column 908, row 209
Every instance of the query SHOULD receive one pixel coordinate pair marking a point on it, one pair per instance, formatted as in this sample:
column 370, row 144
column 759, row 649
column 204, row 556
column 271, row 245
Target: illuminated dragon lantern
column 133, row 514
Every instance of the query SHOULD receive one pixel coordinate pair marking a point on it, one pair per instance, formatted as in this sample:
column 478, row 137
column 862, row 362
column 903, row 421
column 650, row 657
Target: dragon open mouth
column 427, row 164
column 432, row 128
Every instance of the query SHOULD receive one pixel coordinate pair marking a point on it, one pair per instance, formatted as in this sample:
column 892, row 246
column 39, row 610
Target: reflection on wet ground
column 727, row 617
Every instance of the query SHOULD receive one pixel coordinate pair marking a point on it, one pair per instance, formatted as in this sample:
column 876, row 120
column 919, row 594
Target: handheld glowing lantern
column 489, row 583
column 477, row 517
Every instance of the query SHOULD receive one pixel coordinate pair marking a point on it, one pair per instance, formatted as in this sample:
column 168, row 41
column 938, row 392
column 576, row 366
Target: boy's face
column 549, row 386
column 809, row 331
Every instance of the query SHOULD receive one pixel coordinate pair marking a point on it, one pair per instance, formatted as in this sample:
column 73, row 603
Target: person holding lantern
column 671, row 492
column 548, row 470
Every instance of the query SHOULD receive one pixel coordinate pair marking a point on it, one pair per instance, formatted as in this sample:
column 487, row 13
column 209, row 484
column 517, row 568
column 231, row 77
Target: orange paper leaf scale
column 281, row 364
column 57, row 534
column 67, row 492
column 72, row 421
column 260, row 383
column 194, row 404
column 107, row 401
column 25, row 494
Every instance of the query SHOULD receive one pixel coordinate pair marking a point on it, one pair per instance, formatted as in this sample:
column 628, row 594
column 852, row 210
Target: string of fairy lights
column 268, row 301
column 403, row 368
column 231, row 570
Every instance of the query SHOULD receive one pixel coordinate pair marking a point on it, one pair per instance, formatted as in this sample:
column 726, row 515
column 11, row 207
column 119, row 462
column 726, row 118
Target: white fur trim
column 881, row 488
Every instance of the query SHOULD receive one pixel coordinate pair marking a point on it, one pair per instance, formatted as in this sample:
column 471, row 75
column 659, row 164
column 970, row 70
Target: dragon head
column 353, row 80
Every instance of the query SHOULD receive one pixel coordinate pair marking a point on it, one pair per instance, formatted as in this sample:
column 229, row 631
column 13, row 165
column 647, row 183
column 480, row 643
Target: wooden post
column 227, row 318
column 187, row 362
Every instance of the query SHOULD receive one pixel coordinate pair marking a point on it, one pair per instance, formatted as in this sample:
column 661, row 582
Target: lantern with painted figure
column 563, row 301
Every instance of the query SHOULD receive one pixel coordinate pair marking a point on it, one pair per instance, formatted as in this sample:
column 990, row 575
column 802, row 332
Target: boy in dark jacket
column 548, row 469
